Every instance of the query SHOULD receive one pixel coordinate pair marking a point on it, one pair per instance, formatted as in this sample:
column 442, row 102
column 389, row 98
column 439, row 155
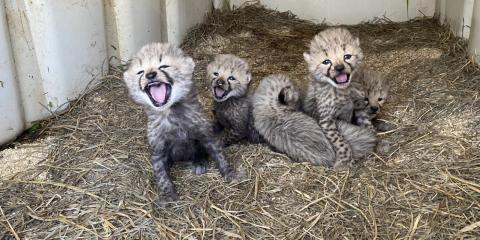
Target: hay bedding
column 97, row 180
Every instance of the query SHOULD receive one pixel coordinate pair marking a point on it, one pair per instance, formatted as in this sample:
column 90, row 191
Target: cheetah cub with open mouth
column 278, row 117
column 159, row 79
column 333, row 58
column 229, row 77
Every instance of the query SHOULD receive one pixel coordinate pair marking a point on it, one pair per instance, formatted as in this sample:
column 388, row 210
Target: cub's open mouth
column 158, row 92
column 219, row 92
column 341, row 78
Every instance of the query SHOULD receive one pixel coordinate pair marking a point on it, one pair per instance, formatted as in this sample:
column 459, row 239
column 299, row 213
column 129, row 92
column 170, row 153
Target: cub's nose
column 374, row 109
column 339, row 67
column 151, row 75
column 220, row 81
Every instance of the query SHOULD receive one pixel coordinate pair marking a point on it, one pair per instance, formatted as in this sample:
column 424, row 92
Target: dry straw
column 98, row 183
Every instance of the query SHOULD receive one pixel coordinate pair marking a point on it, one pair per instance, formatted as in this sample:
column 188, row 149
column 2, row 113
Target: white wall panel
column 457, row 14
column 181, row 15
column 59, row 48
column 130, row 25
column 11, row 112
column 474, row 42
column 350, row 11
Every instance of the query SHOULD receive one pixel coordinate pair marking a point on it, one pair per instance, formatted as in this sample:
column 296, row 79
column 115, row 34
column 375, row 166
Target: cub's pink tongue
column 159, row 93
column 219, row 92
column 341, row 78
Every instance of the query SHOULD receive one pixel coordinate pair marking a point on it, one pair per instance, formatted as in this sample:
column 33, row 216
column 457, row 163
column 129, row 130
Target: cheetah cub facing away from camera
column 332, row 59
column 159, row 79
column 276, row 110
column 369, row 93
column 229, row 77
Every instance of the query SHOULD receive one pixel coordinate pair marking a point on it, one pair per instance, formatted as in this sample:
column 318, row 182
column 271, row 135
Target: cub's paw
column 383, row 126
column 341, row 166
column 343, row 161
column 383, row 147
column 166, row 200
column 232, row 176
column 199, row 168
column 289, row 96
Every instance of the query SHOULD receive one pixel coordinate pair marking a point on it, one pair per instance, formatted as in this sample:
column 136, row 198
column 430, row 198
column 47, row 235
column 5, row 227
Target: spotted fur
column 276, row 110
column 332, row 60
column 229, row 77
column 177, row 129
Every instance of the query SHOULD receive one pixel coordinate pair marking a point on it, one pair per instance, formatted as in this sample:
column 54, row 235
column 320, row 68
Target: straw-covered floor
column 97, row 180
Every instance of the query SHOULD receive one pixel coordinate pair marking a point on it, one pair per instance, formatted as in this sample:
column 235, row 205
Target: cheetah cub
column 276, row 110
column 332, row 59
column 369, row 93
column 159, row 79
column 229, row 77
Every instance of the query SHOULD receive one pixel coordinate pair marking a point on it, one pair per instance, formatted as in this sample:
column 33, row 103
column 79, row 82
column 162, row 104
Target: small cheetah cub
column 159, row 79
column 334, row 56
column 369, row 93
column 229, row 77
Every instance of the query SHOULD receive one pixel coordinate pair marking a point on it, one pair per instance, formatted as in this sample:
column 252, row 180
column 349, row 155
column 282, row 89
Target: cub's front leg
column 161, row 168
column 343, row 151
column 214, row 148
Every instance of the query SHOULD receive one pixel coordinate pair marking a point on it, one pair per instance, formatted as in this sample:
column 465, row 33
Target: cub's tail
column 277, row 118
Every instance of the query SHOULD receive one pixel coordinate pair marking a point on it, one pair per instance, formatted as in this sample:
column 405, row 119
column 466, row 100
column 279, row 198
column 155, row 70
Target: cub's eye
column 380, row 99
column 231, row 78
column 163, row 66
column 326, row 62
column 215, row 74
column 140, row 72
column 347, row 56
column 365, row 99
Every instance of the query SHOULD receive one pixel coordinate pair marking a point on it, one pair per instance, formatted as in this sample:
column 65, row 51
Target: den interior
column 95, row 179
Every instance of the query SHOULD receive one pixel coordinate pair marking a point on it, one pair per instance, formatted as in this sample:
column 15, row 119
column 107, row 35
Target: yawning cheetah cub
column 229, row 77
column 159, row 79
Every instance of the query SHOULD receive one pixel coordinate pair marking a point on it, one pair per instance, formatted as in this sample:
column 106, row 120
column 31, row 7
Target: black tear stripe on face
column 140, row 82
column 349, row 64
column 169, row 79
column 328, row 71
column 229, row 86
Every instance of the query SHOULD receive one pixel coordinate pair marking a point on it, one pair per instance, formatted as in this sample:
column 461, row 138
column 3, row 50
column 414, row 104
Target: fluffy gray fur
column 177, row 129
column 229, row 77
column 334, row 56
column 276, row 110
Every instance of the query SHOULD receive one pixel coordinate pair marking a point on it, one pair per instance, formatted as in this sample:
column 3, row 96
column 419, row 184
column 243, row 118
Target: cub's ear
column 249, row 76
column 126, row 65
column 357, row 41
column 190, row 64
column 307, row 57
